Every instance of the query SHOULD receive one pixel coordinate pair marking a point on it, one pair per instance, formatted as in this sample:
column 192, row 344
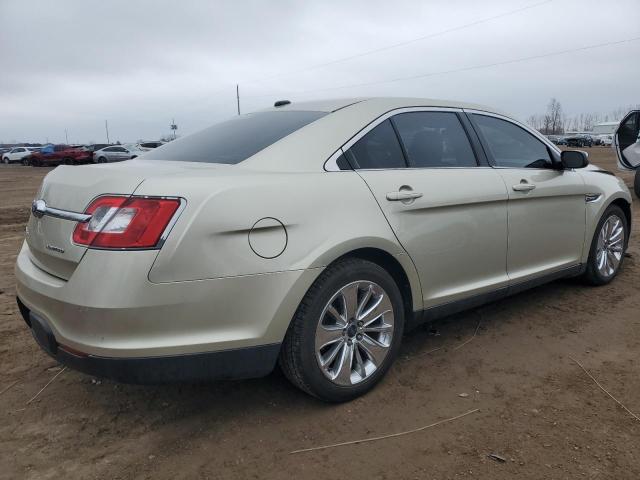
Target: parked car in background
column 579, row 141
column 605, row 140
column 562, row 140
column 239, row 252
column 95, row 147
column 18, row 154
column 117, row 153
column 149, row 145
column 626, row 143
column 4, row 150
column 553, row 138
column 51, row 155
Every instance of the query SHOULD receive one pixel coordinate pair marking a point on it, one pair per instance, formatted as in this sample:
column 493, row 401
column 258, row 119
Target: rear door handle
column 402, row 195
column 524, row 187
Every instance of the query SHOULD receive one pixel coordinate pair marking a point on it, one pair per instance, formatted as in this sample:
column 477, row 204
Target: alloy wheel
column 354, row 333
column 610, row 246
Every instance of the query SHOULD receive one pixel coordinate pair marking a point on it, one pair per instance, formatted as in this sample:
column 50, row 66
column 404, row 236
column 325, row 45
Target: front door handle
column 524, row 187
column 403, row 195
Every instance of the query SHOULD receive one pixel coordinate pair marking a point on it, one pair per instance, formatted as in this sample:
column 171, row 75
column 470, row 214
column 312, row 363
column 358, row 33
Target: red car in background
column 59, row 154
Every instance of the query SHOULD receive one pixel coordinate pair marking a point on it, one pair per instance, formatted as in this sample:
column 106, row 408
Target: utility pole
column 238, row 97
column 66, row 136
column 106, row 127
column 174, row 128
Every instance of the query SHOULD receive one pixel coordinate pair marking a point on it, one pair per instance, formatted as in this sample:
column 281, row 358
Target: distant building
column 605, row 128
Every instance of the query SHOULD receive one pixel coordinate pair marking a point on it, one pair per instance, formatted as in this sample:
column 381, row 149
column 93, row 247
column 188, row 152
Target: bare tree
column 553, row 119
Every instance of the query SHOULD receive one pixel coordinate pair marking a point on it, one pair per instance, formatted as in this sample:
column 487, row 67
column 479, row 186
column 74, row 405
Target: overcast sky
column 71, row 64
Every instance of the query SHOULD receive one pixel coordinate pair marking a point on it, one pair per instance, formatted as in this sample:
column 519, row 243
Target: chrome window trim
column 330, row 164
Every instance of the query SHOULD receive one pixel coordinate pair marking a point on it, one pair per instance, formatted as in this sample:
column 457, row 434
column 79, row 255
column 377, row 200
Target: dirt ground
column 537, row 409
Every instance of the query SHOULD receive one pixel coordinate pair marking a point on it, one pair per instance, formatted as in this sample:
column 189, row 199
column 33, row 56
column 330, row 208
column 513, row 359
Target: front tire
column 346, row 332
column 5, row 160
column 607, row 247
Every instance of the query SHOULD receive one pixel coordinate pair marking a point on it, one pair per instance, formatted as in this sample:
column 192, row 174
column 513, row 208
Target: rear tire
column 606, row 246
column 102, row 160
column 25, row 162
column 342, row 310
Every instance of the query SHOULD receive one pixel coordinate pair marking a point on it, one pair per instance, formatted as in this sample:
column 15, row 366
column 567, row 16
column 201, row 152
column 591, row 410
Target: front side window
column 379, row 148
column 510, row 145
column 235, row 140
column 434, row 139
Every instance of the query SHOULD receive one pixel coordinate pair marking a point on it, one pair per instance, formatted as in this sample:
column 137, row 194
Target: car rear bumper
column 109, row 313
column 237, row 363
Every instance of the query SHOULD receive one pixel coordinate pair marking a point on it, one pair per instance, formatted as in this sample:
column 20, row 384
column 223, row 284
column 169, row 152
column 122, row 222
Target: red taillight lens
column 125, row 222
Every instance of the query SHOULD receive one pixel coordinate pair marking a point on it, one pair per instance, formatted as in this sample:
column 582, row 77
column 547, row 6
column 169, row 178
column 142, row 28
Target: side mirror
column 573, row 159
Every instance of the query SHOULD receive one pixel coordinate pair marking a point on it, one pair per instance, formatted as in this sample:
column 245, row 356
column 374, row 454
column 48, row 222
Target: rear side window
column 434, row 139
column 512, row 146
column 379, row 148
column 235, row 140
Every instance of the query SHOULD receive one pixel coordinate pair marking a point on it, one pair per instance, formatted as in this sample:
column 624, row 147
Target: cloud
column 72, row 64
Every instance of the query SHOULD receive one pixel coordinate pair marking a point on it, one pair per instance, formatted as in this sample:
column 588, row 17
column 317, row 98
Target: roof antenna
column 281, row 103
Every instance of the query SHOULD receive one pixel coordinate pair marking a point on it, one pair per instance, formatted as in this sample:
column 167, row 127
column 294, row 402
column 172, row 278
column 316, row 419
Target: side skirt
column 446, row 309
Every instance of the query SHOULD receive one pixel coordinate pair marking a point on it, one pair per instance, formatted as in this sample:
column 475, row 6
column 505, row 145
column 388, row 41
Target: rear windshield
column 234, row 140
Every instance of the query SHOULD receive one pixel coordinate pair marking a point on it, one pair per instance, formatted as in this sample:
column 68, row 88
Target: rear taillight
column 125, row 222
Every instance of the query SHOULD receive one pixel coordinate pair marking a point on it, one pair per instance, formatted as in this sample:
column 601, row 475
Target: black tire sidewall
column 592, row 268
column 314, row 378
column 636, row 183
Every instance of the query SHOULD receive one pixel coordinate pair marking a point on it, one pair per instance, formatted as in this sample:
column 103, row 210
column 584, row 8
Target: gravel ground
column 538, row 411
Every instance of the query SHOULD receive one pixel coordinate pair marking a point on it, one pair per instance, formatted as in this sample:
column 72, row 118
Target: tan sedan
column 311, row 235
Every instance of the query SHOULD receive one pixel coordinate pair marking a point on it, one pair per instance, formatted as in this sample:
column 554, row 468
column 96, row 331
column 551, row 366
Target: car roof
column 308, row 148
column 387, row 103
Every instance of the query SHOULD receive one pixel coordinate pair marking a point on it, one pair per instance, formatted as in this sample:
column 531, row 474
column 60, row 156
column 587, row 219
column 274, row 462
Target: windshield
column 235, row 140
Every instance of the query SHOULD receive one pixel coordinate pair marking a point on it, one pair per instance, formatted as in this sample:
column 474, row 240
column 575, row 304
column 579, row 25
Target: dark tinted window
column 512, row 146
column 434, row 139
column 378, row 149
column 234, row 140
column 629, row 130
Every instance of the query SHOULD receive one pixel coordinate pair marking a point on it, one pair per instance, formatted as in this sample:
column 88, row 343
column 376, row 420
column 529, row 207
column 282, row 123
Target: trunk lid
column 72, row 188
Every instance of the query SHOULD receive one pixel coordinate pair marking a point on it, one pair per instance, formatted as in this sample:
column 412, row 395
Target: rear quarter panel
column 325, row 214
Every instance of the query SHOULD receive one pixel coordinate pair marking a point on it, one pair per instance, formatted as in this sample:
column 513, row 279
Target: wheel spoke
column 327, row 335
column 359, row 363
column 339, row 318
column 375, row 350
column 364, row 302
column 616, row 235
column 601, row 260
column 616, row 248
column 385, row 327
column 607, row 266
column 343, row 370
column 350, row 300
column 333, row 352
column 382, row 306
column 612, row 262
